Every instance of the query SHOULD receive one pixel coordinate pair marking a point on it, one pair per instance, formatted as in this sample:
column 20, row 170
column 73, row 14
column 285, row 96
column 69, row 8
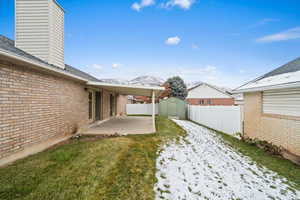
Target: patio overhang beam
column 135, row 90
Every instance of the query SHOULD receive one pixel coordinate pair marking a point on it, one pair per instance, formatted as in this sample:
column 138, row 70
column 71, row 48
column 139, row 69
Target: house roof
column 80, row 73
column 222, row 90
column 286, row 76
column 292, row 66
column 8, row 45
column 8, row 50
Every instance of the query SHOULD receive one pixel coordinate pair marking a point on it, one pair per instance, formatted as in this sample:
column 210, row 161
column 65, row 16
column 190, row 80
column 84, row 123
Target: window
column 209, row 102
column 90, row 105
column 282, row 102
column 98, row 106
column 201, row 102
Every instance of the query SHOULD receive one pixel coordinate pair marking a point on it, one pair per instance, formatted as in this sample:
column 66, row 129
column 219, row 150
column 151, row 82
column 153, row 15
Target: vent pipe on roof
column 40, row 29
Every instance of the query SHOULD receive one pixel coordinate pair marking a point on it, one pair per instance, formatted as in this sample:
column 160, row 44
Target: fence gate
column 173, row 108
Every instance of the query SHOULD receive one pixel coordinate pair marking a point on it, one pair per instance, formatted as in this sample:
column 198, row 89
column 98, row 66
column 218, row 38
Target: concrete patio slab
column 128, row 125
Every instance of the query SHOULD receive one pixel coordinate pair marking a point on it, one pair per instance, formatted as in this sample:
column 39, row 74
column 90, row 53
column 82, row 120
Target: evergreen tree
column 178, row 88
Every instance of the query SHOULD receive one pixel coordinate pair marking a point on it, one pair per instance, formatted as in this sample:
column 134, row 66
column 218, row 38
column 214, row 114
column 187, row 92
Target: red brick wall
column 35, row 107
column 214, row 102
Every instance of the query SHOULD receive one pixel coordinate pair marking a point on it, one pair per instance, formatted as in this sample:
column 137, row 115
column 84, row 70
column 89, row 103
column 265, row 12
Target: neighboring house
column 272, row 107
column 141, row 100
column 204, row 94
column 41, row 98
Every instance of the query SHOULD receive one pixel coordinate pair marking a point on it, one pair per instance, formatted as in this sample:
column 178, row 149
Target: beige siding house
column 41, row 98
column 204, row 94
column 272, row 107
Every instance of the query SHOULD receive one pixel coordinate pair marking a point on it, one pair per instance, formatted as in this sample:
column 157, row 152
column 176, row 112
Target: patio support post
column 153, row 110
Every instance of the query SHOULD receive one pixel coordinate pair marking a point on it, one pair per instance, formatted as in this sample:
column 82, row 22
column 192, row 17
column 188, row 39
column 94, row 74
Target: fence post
column 153, row 110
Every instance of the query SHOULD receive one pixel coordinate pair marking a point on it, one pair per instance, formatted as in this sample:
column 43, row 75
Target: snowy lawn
column 202, row 166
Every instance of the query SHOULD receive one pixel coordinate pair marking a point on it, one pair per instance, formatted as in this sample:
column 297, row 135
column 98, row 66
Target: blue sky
column 223, row 42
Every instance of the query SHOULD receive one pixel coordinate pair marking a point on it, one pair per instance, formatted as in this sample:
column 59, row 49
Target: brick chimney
column 40, row 29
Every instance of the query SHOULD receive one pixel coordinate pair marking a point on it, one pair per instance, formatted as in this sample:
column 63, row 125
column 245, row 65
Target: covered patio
column 124, row 125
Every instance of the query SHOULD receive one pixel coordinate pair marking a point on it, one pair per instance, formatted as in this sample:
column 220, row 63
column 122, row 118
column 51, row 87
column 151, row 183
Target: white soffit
column 135, row 90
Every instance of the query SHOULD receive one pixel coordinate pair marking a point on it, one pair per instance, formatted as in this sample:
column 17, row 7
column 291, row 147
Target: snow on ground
column 201, row 166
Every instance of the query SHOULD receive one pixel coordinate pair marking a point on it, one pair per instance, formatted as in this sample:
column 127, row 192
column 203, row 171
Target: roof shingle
column 292, row 66
column 8, row 45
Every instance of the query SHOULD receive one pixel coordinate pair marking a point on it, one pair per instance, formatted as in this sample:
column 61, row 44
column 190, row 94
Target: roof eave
column 40, row 66
column 121, row 87
column 271, row 87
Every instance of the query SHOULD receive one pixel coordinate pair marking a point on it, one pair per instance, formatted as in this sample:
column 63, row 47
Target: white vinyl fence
column 140, row 109
column 227, row 119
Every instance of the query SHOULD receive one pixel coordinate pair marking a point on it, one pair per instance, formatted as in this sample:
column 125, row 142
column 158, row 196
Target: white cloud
column 184, row 4
column 263, row 22
column 144, row 3
column 207, row 73
column 116, row 65
column 173, row 40
column 289, row 34
column 267, row 20
column 97, row 66
column 195, row 46
column 242, row 71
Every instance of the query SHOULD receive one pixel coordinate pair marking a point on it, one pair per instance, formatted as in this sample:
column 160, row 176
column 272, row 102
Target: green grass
column 282, row 166
column 112, row 168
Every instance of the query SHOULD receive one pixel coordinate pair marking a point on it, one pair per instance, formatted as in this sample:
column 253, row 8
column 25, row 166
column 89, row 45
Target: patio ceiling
column 135, row 90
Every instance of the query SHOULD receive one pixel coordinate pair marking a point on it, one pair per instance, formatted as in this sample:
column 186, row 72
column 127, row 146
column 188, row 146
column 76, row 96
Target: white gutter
column 157, row 88
column 271, row 87
column 40, row 65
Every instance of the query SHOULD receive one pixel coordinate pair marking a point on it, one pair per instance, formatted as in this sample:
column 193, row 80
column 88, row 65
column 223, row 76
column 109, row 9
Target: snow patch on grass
column 201, row 166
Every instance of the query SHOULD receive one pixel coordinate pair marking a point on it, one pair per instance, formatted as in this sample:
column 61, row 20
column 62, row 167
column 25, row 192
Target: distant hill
column 141, row 80
column 147, row 80
column 115, row 81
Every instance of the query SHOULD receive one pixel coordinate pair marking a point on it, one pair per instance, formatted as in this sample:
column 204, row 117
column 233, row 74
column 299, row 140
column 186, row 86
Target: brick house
column 204, row 94
column 41, row 98
column 272, row 107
